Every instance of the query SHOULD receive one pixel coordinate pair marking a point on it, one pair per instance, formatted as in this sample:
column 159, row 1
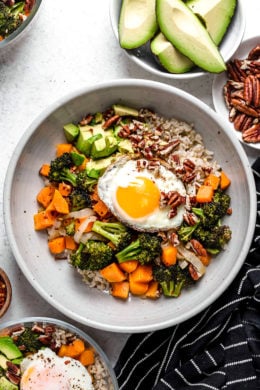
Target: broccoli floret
column 29, row 340
column 185, row 232
column 70, row 228
column 172, row 279
column 215, row 239
column 79, row 199
column 144, row 249
column 85, row 182
column 94, row 255
column 115, row 232
column 60, row 169
column 9, row 18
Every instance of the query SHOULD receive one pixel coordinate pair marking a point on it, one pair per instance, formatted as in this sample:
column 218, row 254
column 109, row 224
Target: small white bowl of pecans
column 5, row 292
column 236, row 93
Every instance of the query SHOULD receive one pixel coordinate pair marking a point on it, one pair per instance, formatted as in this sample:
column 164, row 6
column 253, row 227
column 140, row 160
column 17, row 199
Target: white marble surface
column 66, row 50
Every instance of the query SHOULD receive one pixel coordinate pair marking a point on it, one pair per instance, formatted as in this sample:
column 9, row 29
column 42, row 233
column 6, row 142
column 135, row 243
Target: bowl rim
column 72, row 328
column 118, row 83
column 164, row 73
column 12, row 37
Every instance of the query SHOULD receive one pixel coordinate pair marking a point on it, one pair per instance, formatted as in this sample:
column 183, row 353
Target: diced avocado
column 170, row 58
column 137, row 23
column 96, row 168
column 98, row 117
column 5, row 384
column 85, row 141
column 125, row 146
column 8, row 348
column 217, row 15
column 77, row 158
column 103, row 147
column 185, row 31
column 3, row 361
column 71, row 132
column 124, row 110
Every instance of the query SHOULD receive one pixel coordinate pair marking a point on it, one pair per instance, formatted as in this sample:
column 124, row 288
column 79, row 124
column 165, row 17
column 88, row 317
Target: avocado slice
column 137, row 23
column 170, row 58
column 71, row 131
column 96, row 168
column 103, row 147
column 217, row 15
column 185, row 31
column 3, row 361
column 124, row 110
column 8, row 348
column 5, row 384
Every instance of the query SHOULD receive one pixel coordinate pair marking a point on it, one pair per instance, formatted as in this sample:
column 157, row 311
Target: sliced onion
column 192, row 258
column 83, row 226
column 84, row 213
column 91, row 236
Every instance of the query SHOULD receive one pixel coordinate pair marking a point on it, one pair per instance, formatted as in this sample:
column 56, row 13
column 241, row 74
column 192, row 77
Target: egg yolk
column 139, row 198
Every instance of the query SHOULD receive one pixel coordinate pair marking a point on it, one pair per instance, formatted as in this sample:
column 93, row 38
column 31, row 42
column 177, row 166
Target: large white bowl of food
column 46, row 353
column 122, row 205
column 178, row 39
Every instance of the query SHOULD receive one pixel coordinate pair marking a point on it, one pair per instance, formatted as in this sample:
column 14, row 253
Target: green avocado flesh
column 217, row 15
column 170, row 58
column 185, row 31
column 137, row 23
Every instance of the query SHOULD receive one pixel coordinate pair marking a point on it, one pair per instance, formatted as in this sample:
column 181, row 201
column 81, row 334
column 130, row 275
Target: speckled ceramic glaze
column 56, row 281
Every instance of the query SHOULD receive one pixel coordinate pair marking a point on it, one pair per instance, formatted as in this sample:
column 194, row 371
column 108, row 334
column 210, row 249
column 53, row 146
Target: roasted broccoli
column 29, row 340
column 85, row 182
column 185, row 232
column 211, row 213
column 214, row 239
column 115, row 232
column 60, row 169
column 10, row 18
column 172, row 279
column 70, row 228
column 93, row 256
column 79, row 199
column 146, row 248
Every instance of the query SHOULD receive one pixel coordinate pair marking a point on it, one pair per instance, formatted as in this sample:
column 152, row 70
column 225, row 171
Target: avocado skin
column 8, row 348
column 222, row 11
column 192, row 40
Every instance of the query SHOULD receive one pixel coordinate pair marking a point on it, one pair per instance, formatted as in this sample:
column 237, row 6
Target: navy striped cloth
column 217, row 349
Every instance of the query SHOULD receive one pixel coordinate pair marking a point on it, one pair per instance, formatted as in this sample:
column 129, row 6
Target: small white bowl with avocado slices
column 178, row 39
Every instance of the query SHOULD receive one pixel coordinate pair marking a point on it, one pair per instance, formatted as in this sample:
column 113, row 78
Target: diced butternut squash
column 142, row 274
column 212, row 180
column 169, row 255
column 70, row 243
column 120, row 289
column 129, row 266
column 100, row 208
column 43, row 220
column 112, row 273
column 137, row 288
column 64, row 189
column 57, row 245
column 45, row 195
column 63, row 148
column 224, row 180
column 153, row 290
column 59, row 203
column 87, row 357
column 45, row 170
column 204, row 194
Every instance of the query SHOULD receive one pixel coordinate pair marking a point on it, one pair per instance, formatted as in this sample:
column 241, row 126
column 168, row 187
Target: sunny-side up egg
column 45, row 370
column 133, row 195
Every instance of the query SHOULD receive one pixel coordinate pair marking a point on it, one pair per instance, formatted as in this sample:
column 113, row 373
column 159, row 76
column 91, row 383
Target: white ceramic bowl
column 108, row 372
column 219, row 82
column 57, row 282
column 22, row 29
column 145, row 59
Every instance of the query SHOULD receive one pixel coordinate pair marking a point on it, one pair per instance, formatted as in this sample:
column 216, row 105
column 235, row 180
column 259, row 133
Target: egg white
column 46, row 370
column 125, row 171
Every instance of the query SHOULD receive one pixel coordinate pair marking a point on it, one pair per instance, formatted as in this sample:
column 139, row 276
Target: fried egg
column 46, row 370
column 133, row 194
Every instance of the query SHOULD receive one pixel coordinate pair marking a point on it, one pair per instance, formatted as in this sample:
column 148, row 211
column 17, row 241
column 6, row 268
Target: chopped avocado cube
column 71, row 132
column 104, row 147
column 124, row 110
column 5, row 384
column 3, row 361
column 96, row 168
column 8, row 348
column 98, row 117
column 85, row 141
column 77, row 158
column 125, row 146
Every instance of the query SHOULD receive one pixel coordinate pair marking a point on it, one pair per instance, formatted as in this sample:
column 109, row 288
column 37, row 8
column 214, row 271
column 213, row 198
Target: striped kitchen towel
column 217, row 349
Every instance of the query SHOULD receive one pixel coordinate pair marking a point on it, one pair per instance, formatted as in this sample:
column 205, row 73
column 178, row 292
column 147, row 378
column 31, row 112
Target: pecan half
column 252, row 134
